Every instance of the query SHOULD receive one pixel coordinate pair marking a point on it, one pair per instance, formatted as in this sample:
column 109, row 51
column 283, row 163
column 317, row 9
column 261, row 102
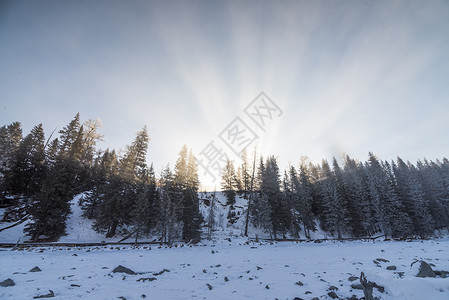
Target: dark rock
column 209, row 286
column 213, row 252
column 226, row 279
column 380, row 288
column 163, row 271
column 143, row 279
column 391, row 268
column 332, row 295
column 35, row 269
column 297, row 298
column 299, row 283
column 401, row 274
column 267, row 287
column 442, row 274
column 357, row 286
column 332, row 288
column 308, row 292
column 259, row 268
column 353, row 278
column 49, row 295
column 382, row 260
column 425, row 270
column 122, row 269
column 353, row 297
column 7, row 282
column 143, row 296
column 75, row 285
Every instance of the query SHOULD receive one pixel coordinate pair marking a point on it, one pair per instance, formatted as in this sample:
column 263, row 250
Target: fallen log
column 15, row 224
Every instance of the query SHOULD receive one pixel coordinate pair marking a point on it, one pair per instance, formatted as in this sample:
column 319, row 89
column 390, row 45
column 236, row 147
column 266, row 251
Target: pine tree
column 68, row 136
column 133, row 163
column 50, row 208
column 144, row 212
column 27, row 170
column 334, row 215
column 229, row 182
column 304, row 191
column 10, row 138
column 270, row 188
column 187, row 184
column 384, row 198
column 114, row 208
column 412, row 196
column 117, row 196
column 246, row 176
column 107, row 167
column 169, row 222
column 291, row 198
column 429, row 176
column 192, row 217
column 359, row 207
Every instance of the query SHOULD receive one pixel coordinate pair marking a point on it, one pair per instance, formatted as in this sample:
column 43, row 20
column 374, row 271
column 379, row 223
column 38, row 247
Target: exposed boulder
column 7, row 282
column 122, row 269
column 424, row 270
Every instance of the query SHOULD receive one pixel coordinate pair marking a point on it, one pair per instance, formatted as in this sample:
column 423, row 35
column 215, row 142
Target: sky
column 345, row 76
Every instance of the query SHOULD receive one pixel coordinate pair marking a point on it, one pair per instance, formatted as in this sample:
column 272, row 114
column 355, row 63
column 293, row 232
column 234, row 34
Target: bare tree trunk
column 367, row 287
column 250, row 194
column 112, row 229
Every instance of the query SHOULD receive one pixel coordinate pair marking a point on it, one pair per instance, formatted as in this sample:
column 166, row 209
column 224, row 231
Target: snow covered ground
column 226, row 270
column 228, row 267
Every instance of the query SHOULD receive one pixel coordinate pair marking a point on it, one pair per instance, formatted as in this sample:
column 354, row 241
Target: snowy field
column 226, row 270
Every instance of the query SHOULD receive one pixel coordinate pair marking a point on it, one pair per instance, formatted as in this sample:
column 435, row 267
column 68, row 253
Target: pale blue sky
column 350, row 76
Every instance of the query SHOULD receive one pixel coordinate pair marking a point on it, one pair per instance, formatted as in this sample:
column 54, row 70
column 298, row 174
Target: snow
column 265, row 270
column 250, row 268
column 79, row 229
column 12, row 235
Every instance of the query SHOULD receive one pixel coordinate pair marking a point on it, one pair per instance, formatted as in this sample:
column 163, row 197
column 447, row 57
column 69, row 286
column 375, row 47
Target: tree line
column 39, row 177
column 397, row 198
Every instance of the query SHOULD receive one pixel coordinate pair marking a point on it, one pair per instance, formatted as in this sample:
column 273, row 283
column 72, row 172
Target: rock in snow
column 35, row 269
column 49, row 295
column 122, row 269
column 424, row 270
column 7, row 282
